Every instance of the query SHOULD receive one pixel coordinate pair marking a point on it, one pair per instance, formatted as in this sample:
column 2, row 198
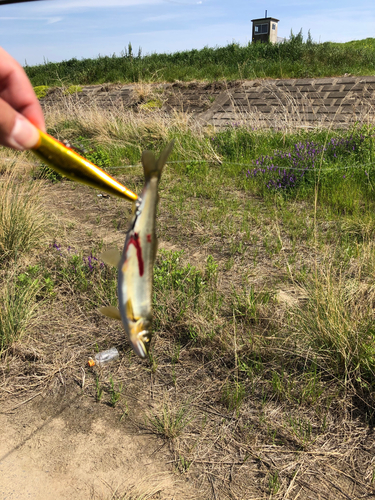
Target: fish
column 135, row 264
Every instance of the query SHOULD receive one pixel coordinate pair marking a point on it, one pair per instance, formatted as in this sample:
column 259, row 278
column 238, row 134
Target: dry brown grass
column 23, row 219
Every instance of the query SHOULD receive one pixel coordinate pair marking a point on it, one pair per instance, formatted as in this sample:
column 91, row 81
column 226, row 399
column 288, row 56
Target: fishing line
column 255, row 167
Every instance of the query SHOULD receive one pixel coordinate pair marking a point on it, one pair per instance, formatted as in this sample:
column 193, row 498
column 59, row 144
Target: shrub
column 41, row 91
column 16, row 311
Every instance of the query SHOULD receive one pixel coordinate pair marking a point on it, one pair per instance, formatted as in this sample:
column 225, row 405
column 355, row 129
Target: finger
column 15, row 130
column 16, row 89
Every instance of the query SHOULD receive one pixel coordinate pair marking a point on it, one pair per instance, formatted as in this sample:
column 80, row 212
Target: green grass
column 84, row 275
column 232, row 395
column 294, row 58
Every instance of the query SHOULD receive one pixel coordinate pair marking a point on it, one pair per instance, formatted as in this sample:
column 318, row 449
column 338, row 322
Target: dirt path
column 69, row 447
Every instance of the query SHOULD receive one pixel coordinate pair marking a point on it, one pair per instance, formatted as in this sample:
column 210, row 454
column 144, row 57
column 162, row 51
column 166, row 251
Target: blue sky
column 56, row 30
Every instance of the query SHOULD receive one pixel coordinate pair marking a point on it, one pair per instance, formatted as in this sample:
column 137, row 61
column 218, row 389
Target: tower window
column 261, row 29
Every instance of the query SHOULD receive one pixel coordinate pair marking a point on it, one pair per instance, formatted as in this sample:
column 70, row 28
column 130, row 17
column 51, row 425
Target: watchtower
column 265, row 29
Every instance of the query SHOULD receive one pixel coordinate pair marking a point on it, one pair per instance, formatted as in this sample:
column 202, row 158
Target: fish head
column 140, row 336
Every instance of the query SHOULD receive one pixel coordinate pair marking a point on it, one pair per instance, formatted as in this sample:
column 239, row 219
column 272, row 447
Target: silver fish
column 136, row 263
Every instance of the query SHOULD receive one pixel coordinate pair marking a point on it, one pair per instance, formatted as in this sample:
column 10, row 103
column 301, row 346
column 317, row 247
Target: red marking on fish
column 149, row 238
column 134, row 240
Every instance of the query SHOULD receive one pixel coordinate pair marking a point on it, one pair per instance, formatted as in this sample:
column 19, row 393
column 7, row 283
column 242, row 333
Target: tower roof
column 265, row 19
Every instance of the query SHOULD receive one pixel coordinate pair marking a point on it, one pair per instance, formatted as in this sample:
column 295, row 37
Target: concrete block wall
column 270, row 103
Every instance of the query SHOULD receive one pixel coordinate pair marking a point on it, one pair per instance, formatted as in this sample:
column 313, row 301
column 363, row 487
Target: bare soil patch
column 66, row 446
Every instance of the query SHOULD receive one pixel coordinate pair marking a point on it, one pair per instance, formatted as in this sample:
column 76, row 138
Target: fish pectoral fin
column 129, row 310
column 153, row 167
column 162, row 160
column 149, row 164
column 110, row 312
column 111, row 257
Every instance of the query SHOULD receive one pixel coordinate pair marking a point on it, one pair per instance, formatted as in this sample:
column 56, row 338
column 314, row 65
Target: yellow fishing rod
column 70, row 164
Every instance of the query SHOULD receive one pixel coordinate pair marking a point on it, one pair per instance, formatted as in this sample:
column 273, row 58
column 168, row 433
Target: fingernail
column 24, row 135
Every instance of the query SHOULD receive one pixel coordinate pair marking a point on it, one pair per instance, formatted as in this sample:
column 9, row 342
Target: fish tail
column 153, row 167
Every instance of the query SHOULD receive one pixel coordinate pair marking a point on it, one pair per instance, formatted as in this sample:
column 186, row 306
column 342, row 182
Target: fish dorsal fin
column 110, row 312
column 111, row 257
column 153, row 167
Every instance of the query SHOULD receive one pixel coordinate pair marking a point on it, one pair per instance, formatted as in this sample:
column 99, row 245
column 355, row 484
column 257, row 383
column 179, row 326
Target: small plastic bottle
column 104, row 357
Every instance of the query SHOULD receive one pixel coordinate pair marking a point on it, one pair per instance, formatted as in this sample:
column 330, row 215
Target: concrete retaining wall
column 303, row 102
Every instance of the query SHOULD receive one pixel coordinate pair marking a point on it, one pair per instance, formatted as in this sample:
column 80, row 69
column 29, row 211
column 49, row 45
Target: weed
column 99, row 389
column 248, row 303
column 211, row 269
column 274, row 483
column 170, row 423
column 100, row 157
column 153, row 361
column 73, row 89
column 40, row 276
column 251, row 365
column 151, row 105
column 41, row 91
column 233, row 395
column 125, row 412
column 115, row 394
column 171, row 277
column 183, row 464
column 301, row 428
column 85, row 274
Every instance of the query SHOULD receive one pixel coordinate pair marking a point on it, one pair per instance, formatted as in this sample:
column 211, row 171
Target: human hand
column 20, row 111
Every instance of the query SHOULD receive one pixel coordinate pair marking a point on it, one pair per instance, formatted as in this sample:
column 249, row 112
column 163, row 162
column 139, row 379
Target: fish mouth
column 141, row 341
column 140, row 336
column 142, row 344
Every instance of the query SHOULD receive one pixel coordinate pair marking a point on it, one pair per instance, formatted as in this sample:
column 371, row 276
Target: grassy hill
column 294, row 58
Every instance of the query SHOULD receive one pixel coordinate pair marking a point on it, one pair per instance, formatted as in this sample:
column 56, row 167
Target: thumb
column 15, row 130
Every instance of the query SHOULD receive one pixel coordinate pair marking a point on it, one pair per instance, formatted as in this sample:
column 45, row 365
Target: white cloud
column 182, row 2
column 53, row 20
column 48, row 20
column 70, row 5
column 162, row 17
